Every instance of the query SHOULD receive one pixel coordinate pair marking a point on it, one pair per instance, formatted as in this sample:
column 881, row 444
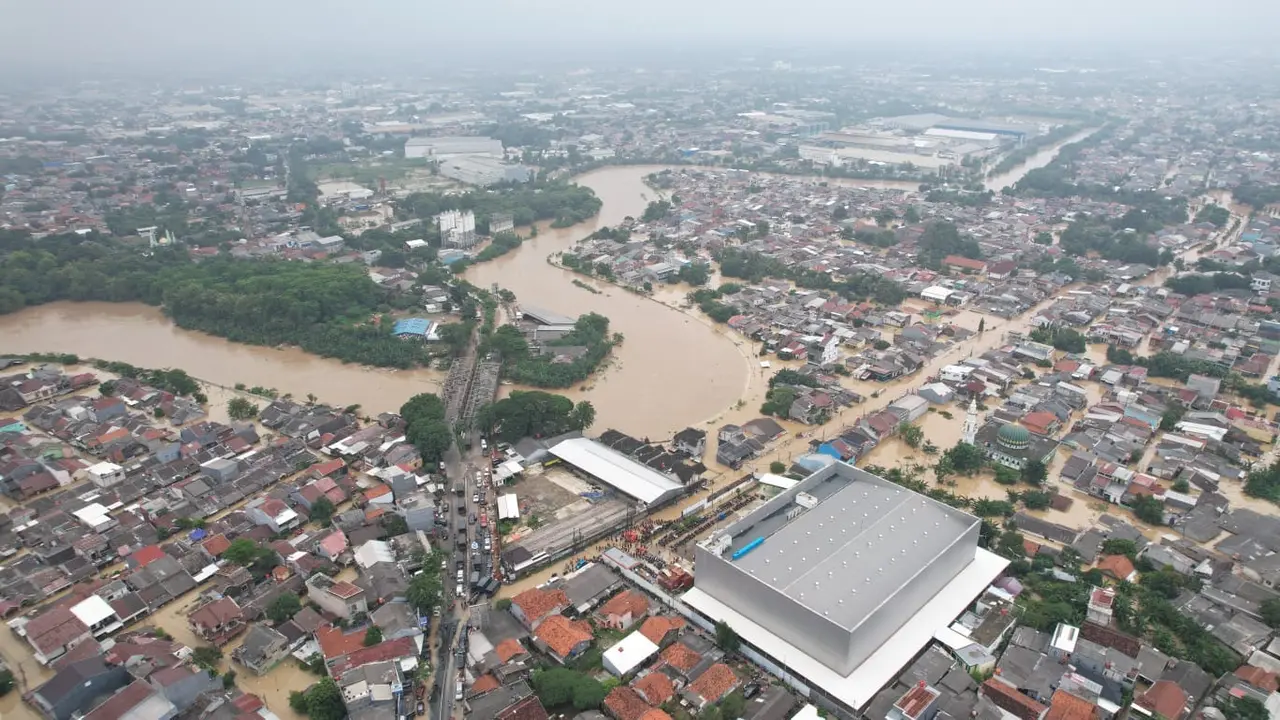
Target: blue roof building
column 412, row 327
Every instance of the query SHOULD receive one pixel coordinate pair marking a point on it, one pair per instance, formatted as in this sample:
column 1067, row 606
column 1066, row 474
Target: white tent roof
column 629, row 653
column 617, row 470
column 508, row 507
column 778, row 481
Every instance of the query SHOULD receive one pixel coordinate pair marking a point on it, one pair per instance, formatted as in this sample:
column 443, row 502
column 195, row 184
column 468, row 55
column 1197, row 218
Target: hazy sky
column 168, row 36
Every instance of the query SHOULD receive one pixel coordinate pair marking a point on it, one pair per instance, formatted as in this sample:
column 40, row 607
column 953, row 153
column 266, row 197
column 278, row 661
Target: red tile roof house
column 1065, row 706
column 335, row 644
column 218, row 621
column 534, row 605
column 1165, row 699
column 662, row 630
column 1007, row 698
column 510, row 650
column 1117, row 567
column 398, row 650
column 711, row 686
column 654, row 687
column 623, row 609
column 54, row 632
column 622, row 703
column 529, row 708
column 561, row 638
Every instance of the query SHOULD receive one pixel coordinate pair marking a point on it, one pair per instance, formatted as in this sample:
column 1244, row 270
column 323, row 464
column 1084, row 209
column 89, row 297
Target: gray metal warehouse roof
column 855, row 549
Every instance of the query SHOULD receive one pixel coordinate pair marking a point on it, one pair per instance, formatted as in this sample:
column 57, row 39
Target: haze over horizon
column 89, row 37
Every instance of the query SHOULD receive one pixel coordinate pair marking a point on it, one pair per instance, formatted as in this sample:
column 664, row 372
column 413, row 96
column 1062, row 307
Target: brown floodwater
column 141, row 335
column 672, row 370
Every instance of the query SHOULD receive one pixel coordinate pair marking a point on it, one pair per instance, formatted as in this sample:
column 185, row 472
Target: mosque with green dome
column 1014, row 446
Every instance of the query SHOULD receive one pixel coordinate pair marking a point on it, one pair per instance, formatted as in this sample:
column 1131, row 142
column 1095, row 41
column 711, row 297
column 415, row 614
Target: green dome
column 1014, row 437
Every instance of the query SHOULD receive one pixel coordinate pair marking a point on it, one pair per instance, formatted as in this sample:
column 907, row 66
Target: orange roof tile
column 1166, row 698
column 680, row 657
column 216, row 545
column 626, row 601
column 335, row 643
column 508, row 649
column 718, row 680
column 624, row 704
column 1258, row 677
column 537, row 603
column 1117, row 566
column 561, row 634
column 1007, row 698
column 656, row 627
column 655, row 687
column 485, row 683
column 1065, row 706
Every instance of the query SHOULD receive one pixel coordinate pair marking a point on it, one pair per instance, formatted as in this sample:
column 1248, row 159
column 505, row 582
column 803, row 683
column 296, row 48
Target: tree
column 425, row 426
column 911, row 434
column 6, row 682
column 321, row 511
column 583, row 415
column 424, row 592
column 207, row 657
column 372, row 636
column 107, row 388
column 1005, row 475
column 965, row 458
column 726, row 638
column 1037, row 499
column 242, row 551
column 1270, row 611
column 694, row 273
column 1243, row 708
column 283, row 608
column 1120, row 546
column 558, row 687
column 1043, row 238
column 777, row 467
column 1181, row 485
column 1149, row 510
column 241, row 409
column 1035, row 473
column 982, row 325
column 322, row 701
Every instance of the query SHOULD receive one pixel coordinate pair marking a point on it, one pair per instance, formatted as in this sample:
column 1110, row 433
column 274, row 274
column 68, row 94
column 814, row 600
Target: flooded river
column 996, row 183
column 141, row 335
column 673, row 369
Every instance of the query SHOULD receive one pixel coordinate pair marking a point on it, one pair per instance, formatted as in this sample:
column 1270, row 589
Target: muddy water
column 996, row 183
column 141, row 335
column 672, row 370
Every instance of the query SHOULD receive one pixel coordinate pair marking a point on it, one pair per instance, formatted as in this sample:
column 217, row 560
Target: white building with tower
column 457, row 228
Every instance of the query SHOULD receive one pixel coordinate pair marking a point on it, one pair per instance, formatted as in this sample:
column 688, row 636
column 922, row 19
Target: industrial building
column 452, row 146
column 484, row 171
column 457, row 228
column 610, row 467
column 837, row 583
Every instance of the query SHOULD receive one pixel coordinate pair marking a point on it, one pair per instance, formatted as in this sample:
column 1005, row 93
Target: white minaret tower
column 970, row 433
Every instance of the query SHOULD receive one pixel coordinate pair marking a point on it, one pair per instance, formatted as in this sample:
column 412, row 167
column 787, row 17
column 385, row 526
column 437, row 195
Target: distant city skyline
column 167, row 39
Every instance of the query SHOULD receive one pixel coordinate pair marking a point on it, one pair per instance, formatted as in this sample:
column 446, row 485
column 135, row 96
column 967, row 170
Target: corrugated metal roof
column 617, row 470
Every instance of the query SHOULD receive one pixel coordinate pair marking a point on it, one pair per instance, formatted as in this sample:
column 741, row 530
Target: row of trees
column 754, row 267
column 426, row 427
column 533, row 414
column 561, row 202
